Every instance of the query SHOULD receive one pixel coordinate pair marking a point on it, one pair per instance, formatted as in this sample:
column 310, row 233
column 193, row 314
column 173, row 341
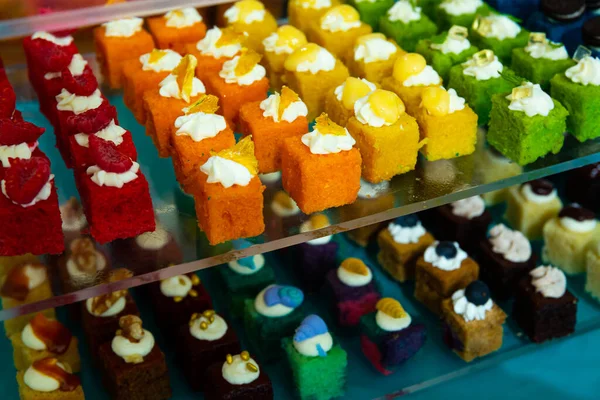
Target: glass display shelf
column 435, row 363
column 432, row 184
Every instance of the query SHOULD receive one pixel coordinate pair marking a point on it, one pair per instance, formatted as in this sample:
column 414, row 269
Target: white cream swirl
column 113, row 179
column 170, row 88
column 154, row 240
column 176, row 286
column 551, row 282
column 308, row 347
column 200, row 126
column 259, row 263
column 471, row 207
column 22, row 151
column 391, row 324
column 447, row 264
column 586, row 72
column 501, row 27
column 125, row 348
column 327, row 144
column 30, row 340
column 457, row 103
column 574, row 225
column 366, row 116
column 61, row 41
column 353, row 279
column 182, row 18
column 208, row 45
column 547, row 50
column 270, row 107
column 452, row 45
column 126, row 27
column 335, row 22
column 483, row 72
column 40, row 382
column 270, row 45
column 373, row 50
column 427, row 77
column 460, row 7
column 215, row 330
column 537, row 103
column 513, row 245
column 226, row 172
column 112, row 133
column 406, row 234
column 233, row 15
column 468, row 310
column 533, row 197
column 228, row 73
column 237, row 373
column 76, row 67
column 167, row 62
column 67, row 101
column 84, row 276
column 404, row 11
column 324, row 61
column 44, row 193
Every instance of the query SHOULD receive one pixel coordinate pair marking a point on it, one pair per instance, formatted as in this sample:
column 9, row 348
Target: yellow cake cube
column 372, row 57
column 337, row 29
column 592, row 267
column 527, row 215
column 339, row 102
column 312, row 71
column 251, row 17
column 302, row 12
column 450, row 132
column 278, row 46
column 387, row 137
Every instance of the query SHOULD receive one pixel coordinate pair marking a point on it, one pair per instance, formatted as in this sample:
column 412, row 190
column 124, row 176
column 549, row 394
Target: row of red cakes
column 113, row 190
column 29, row 212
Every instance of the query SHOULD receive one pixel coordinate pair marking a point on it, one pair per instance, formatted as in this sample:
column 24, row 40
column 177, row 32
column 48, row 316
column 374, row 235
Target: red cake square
column 29, row 213
column 114, row 194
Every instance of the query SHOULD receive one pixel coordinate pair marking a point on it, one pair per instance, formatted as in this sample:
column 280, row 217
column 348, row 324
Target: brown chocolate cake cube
column 543, row 318
column 148, row 380
column 467, row 232
column 220, row 389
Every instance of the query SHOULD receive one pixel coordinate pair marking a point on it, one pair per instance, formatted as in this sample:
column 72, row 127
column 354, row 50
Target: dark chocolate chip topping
column 576, row 212
column 563, row 10
column 591, row 32
column 541, row 187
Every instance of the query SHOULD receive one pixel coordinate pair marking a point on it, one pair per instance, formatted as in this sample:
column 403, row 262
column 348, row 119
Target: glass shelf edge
column 212, row 261
column 83, row 17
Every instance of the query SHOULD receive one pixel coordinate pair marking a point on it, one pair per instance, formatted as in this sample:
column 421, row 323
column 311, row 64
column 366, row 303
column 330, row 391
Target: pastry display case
column 274, row 200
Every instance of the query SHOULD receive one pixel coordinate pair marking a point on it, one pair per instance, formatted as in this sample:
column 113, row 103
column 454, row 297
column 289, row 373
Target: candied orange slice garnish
column 287, row 97
column 355, row 265
column 207, row 104
column 247, row 61
column 185, row 72
column 327, row 127
column 156, row 55
column 230, row 35
column 242, row 153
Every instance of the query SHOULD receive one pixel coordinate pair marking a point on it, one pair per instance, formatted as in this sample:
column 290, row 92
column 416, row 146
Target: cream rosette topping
column 285, row 40
column 455, row 42
column 50, row 375
column 283, row 205
column 244, row 69
column 160, row 60
column 221, row 43
column 354, row 272
column 154, row 240
column 180, row 286
column 513, row 245
column 353, row 89
column 473, row 302
column 438, row 101
column 531, row 100
column 313, row 4
column 340, row 18
column 411, row 69
column 286, row 106
column 540, row 47
column 446, row 256
column 577, row 219
column 234, row 166
column 310, row 58
column 200, row 120
column 85, row 261
column 67, row 101
column 495, row 26
column 240, row 369
column 460, row 7
column 406, row 229
column 126, row 27
column 314, row 222
column 540, row 191
column 327, row 137
column 76, row 68
column 72, row 215
column 112, row 133
column 471, row 207
column 276, row 301
column 373, row 47
column 586, row 72
column 208, row 326
column 182, row 18
column 181, row 82
column 113, row 303
column 245, row 12
column 22, row 151
column 549, row 281
column 404, row 11
column 102, row 177
column 61, row 41
column 312, row 338
column 484, row 65
column 42, row 333
column 391, row 316
column 379, row 108
column 132, row 342
column 370, row 190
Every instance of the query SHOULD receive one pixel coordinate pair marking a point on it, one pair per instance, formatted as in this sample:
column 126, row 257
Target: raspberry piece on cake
column 8, row 98
column 29, row 213
column 114, row 193
column 18, row 140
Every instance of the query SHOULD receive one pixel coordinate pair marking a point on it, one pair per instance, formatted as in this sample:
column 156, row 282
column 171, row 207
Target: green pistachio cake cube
column 398, row 25
column 371, row 11
column 538, row 70
column 500, row 34
column 429, row 7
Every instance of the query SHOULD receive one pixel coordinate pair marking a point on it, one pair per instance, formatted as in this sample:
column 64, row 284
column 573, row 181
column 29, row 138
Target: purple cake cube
column 313, row 263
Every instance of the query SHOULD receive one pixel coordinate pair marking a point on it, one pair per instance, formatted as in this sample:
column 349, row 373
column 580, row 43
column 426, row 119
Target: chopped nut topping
column 131, row 328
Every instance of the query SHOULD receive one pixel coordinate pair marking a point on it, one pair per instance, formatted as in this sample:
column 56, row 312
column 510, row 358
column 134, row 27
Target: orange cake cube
column 387, row 137
column 410, row 77
column 363, row 62
column 301, row 13
column 278, row 45
column 176, row 29
column 339, row 102
column 269, row 132
column 251, row 17
column 231, row 206
column 311, row 71
column 326, row 32
column 145, row 74
column 320, row 181
column 241, row 80
column 194, row 136
column 449, row 133
column 219, row 45
column 117, row 42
